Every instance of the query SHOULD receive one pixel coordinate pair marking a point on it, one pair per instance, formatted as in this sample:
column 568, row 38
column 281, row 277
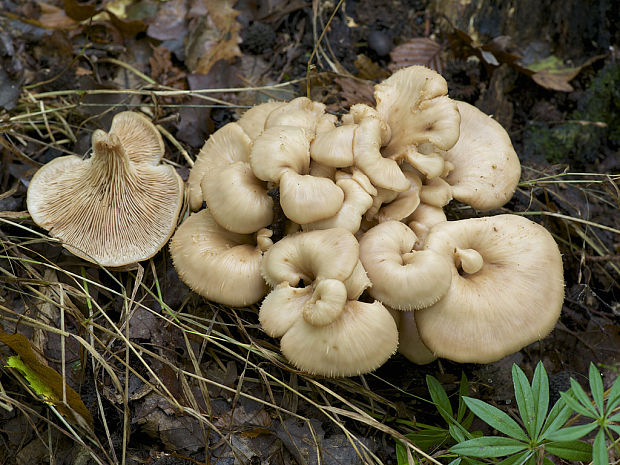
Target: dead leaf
column 355, row 91
column 418, row 51
column 127, row 28
column 80, row 11
column 215, row 38
column 169, row 23
column 368, row 69
column 74, row 410
column 551, row 72
column 53, row 17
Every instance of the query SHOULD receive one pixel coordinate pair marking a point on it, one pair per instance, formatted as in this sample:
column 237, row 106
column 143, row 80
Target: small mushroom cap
column 360, row 340
column 414, row 103
column 405, row 203
column 108, row 208
column 356, row 202
column 280, row 149
column 402, row 277
column 309, row 256
column 225, row 146
column 253, row 120
column 436, row 192
column 300, row 112
column 513, row 300
column 335, row 147
column 361, row 111
column 237, row 200
column 305, row 198
column 218, row 264
column 382, row 172
column 409, row 342
column 486, row 167
column 422, row 220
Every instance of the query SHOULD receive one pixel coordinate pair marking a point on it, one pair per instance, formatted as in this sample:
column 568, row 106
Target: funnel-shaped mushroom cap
column 334, row 147
column 402, row 277
column 360, row 340
column 305, row 198
column 409, row 342
column 218, row 264
column 225, row 146
column 361, row 111
column 414, row 103
column 253, row 120
column 486, row 167
column 237, row 200
column 513, row 299
column 405, row 203
column 436, row 192
column 309, row 256
column 109, row 208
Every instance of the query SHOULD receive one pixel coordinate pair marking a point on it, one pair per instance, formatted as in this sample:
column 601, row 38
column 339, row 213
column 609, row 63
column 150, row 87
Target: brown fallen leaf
column 53, row 17
column 80, row 11
column 418, row 51
column 368, row 69
column 53, row 385
column 215, row 38
column 355, row 91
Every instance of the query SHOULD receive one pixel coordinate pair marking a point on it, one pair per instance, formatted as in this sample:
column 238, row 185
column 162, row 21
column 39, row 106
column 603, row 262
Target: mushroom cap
column 360, row 340
column 513, row 300
column 225, row 146
column 409, row 342
column 422, row 220
column 436, row 192
column 300, row 112
column 280, row 149
column 237, row 200
column 405, row 203
column 218, row 264
column 402, row 277
column 334, row 147
column 414, row 103
column 253, row 120
column 305, row 198
column 108, row 208
column 486, row 167
column 349, row 216
column 310, row 256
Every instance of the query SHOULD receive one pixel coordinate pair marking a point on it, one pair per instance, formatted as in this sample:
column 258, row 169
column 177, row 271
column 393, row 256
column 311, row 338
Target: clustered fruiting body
column 359, row 201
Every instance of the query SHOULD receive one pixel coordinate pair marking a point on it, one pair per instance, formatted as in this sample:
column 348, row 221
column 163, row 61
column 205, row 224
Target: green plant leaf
column 457, row 434
column 439, row 397
column 614, row 395
column 401, row 454
column 428, row 439
column 596, row 386
column 463, row 391
column 576, row 405
column 571, row 433
column 614, row 428
column 599, row 449
column 557, row 417
column 582, row 397
column 615, row 417
column 570, row 450
column 517, row 458
column 525, row 399
column 489, row 446
column 495, row 418
column 540, row 391
column 456, row 461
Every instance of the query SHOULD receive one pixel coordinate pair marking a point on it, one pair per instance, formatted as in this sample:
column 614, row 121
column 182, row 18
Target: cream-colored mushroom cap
column 310, row 256
column 359, row 341
column 237, row 200
column 414, row 103
column 253, row 120
column 305, row 198
column 139, row 136
column 409, row 342
column 422, row 220
column 486, row 167
column 227, row 145
column 508, row 293
column 405, row 203
column 334, row 147
column 401, row 277
column 436, row 192
column 218, row 264
column 280, row 149
column 300, row 112
column 110, row 208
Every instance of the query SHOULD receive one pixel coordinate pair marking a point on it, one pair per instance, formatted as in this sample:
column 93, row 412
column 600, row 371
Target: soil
column 173, row 379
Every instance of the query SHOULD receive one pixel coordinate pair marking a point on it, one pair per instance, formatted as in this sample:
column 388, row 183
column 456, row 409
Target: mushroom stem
column 110, row 161
column 469, row 260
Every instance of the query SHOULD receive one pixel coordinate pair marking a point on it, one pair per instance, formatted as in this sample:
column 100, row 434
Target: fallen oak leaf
column 417, row 51
column 45, row 381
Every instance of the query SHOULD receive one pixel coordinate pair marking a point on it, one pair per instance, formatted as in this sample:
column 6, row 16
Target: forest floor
column 163, row 376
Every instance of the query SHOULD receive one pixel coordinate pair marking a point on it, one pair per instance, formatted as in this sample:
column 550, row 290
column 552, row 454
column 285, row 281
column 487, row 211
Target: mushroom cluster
column 340, row 222
column 116, row 208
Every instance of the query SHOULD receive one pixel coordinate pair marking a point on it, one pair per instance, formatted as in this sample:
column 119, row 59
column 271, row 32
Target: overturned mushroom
column 117, row 207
